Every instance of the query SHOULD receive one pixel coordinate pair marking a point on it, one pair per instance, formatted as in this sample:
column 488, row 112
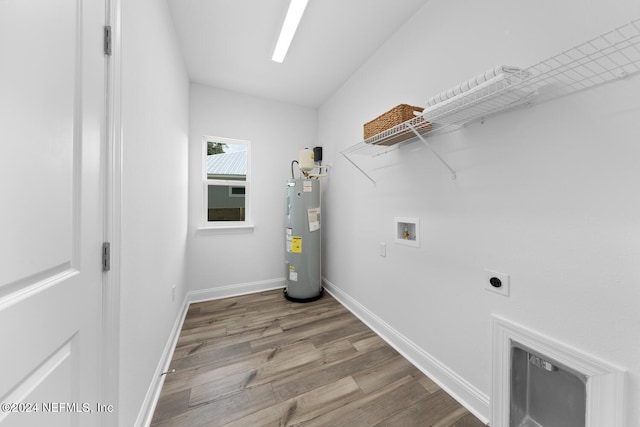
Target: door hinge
column 107, row 40
column 106, row 256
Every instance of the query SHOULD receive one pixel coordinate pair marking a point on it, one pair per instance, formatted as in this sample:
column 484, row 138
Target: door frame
column 112, row 166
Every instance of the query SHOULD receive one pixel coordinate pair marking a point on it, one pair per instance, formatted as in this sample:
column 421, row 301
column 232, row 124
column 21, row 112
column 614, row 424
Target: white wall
column 235, row 262
column 546, row 194
column 155, row 91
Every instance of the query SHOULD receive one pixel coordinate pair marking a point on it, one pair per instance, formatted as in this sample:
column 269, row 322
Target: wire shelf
column 502, row 93
column 608, row 57
column 400, row 132
column 392, row 138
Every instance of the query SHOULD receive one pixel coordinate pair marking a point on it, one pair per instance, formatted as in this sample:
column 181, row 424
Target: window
column 226, row 182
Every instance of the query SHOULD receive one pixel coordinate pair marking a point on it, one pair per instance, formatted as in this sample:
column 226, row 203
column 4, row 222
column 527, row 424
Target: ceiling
column 228, row 43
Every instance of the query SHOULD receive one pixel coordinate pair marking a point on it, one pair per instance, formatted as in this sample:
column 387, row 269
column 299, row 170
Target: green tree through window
column 215, row 148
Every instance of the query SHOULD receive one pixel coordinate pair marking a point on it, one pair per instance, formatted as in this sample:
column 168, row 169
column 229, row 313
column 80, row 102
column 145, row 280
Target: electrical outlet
column 383, row 249
column 497, row 282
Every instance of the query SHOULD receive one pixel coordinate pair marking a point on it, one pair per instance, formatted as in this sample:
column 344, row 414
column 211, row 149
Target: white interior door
column 52, row 98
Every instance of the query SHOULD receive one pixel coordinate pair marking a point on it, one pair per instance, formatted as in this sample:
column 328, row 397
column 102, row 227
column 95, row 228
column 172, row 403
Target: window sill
column 226, row 229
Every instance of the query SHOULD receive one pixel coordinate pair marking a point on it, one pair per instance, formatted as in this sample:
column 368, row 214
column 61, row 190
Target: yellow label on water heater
column 296, row 244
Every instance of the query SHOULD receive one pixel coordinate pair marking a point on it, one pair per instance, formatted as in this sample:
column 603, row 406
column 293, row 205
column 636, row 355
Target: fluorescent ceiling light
column 294, row 14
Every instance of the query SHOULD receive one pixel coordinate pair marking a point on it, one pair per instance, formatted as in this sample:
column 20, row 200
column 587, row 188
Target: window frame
column 233, row 187
column 206, row 182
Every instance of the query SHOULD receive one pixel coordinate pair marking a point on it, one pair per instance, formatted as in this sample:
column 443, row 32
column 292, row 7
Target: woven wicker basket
column 391, row 118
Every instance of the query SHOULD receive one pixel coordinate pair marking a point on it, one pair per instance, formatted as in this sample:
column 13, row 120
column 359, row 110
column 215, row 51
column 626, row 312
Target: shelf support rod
column 359, row 168
column 425, row 142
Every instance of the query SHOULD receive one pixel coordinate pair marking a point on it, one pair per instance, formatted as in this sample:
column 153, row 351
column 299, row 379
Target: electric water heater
column 302, row 256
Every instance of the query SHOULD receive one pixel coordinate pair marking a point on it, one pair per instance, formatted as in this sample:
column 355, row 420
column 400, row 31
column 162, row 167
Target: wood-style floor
column 260, row 360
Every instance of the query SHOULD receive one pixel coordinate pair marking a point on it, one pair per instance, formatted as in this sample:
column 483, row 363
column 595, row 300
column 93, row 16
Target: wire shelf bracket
column 425, row 142
column 358, row 167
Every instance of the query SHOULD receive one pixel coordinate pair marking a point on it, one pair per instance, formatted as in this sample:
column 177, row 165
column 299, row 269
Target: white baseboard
column 235, row 290
column 469, row 396
column 153, row 394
